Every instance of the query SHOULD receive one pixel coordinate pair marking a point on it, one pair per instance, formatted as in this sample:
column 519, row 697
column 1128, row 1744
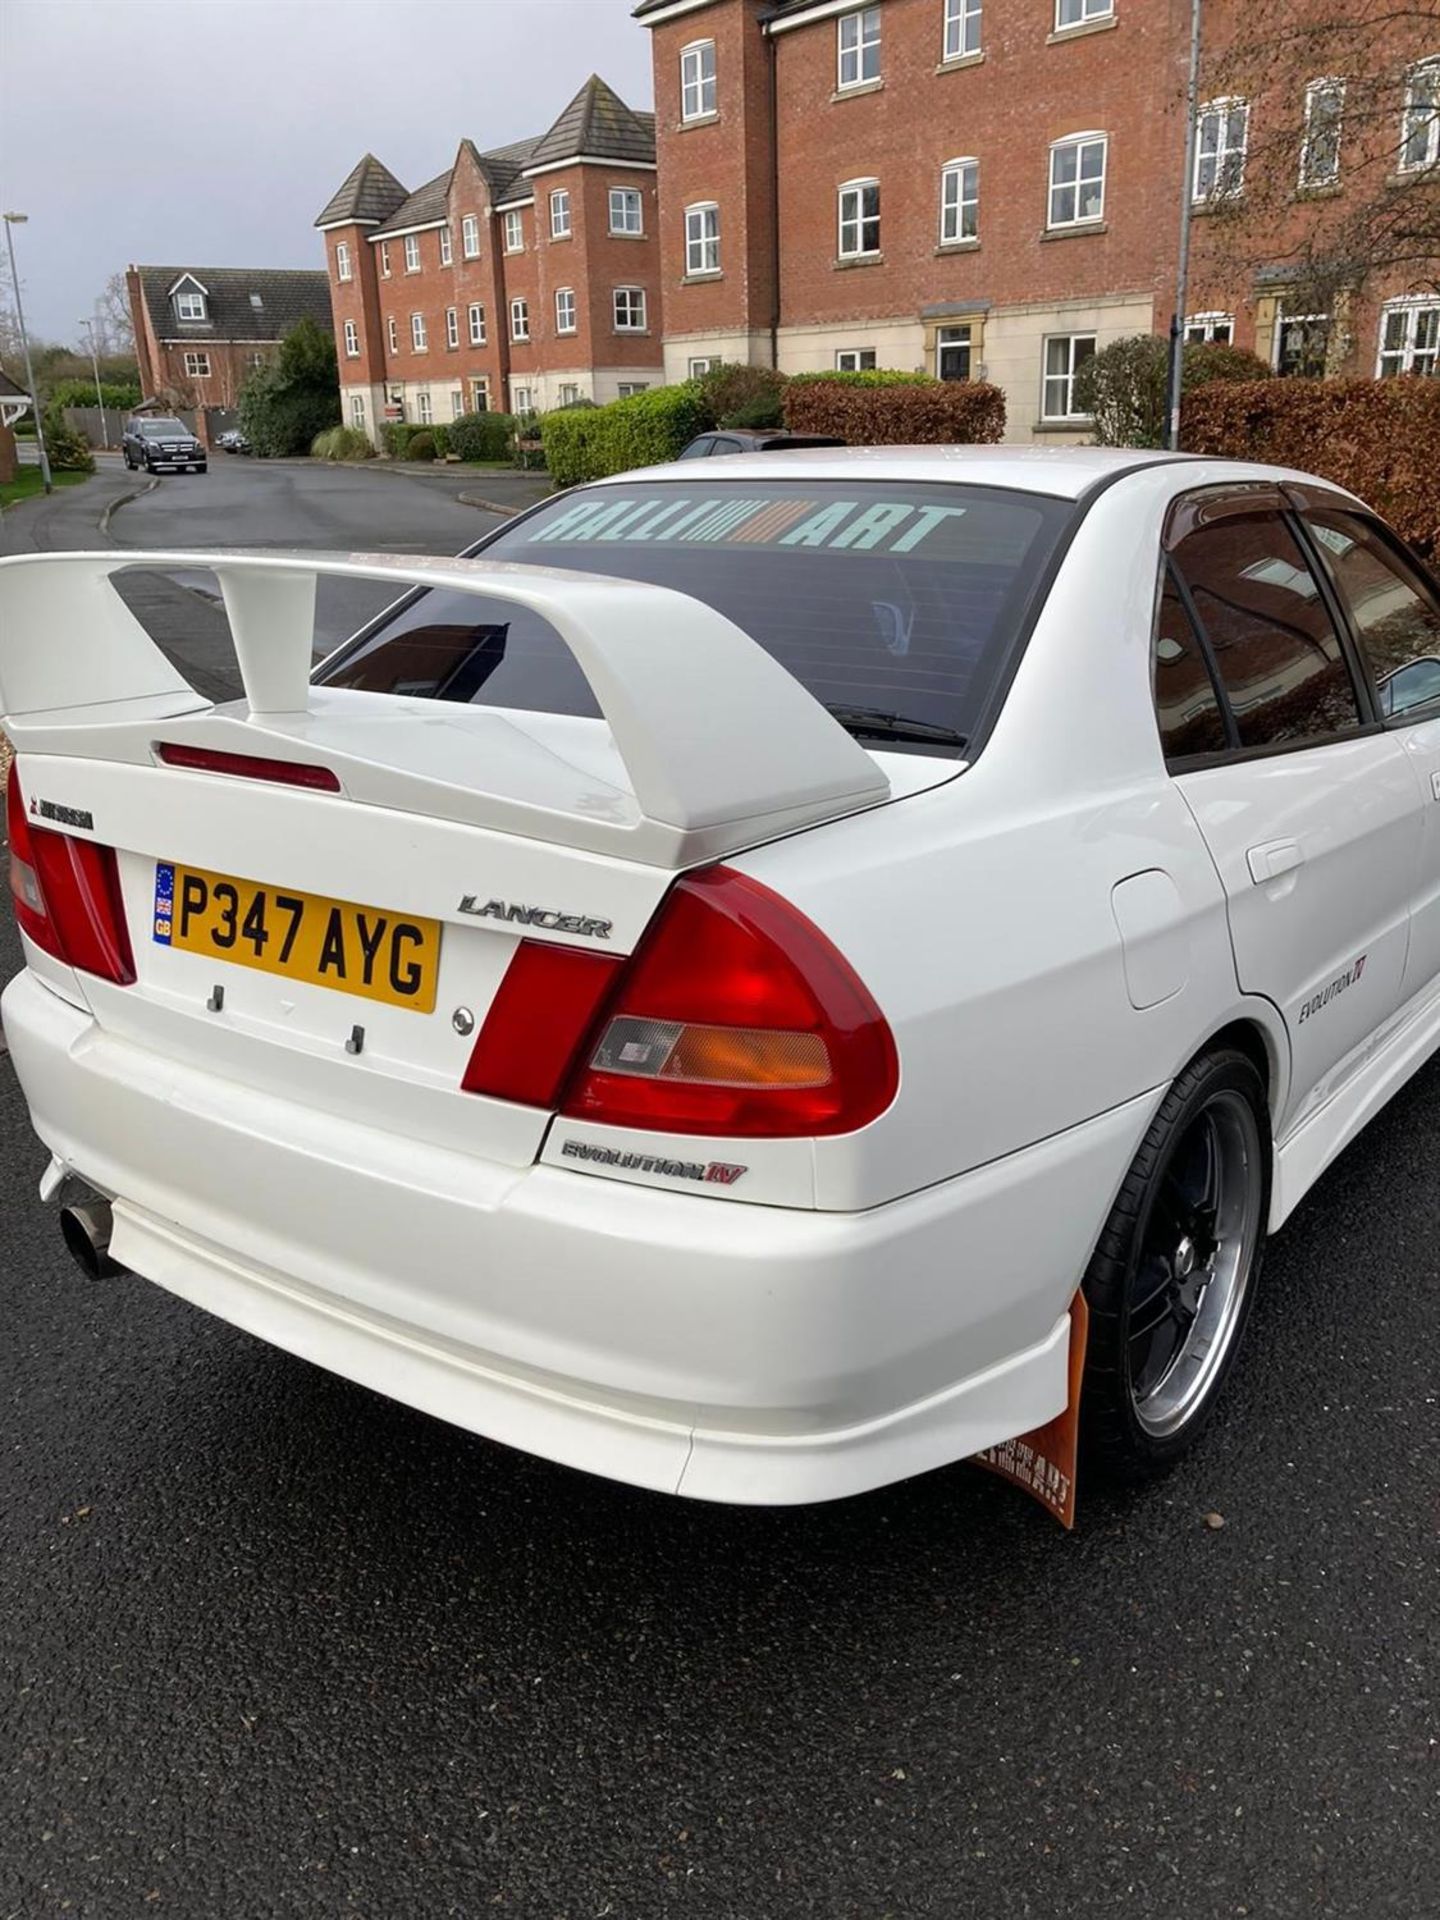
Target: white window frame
column 343, row 269
column 470, row 236
column 457, row 402
column 1225, row 152
column 522, row 396
column 848, row 359
column 961, row 174
column 447, row 246
column 560, row 227
column 424, row 407
column 1412, row 306
column 412, row 253
column 1284, row 319
column 1331, row 86
column 1070, row 14
column 197, row 364
column 385, row 259
column 1419, row 119
column 566, row 312
column 1072, row 340
column 419, row 334
column 352, row 341
column 962, row 26
column 702, row 239
column 1078, row 144
column 476, row 318
column 857, row 49
column 567, row 394
column 515, row 231
column 625, row 195
column 357, row 411
column 519, row 319
column 190, row 306
column 858, row 219
column 635, row 302
column 699, row 96
column 257, row 358
column 392, row 334
column 955, row 339
column 480, row 390
column 452, row 326
column 1199, row 328
column 697, row 368
column 627, row 389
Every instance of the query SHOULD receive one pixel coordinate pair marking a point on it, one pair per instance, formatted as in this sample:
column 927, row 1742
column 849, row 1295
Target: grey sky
column 213, row 131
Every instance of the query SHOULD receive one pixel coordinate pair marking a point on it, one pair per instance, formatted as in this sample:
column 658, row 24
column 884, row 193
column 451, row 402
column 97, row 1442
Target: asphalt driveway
column 271, row 1645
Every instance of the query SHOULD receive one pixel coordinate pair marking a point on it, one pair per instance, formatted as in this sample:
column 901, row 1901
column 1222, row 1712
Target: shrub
column 482, row 436
column 910, row 411
column 441, row 436
column 1125, row 387
column 395, row 437
column 284, row 404
column 68, row 451
column 645, row 430
column 873, row 377
column 341, row 443
column 736, row 395
column 421, row 445
column 1378, row 438
column 120, row 394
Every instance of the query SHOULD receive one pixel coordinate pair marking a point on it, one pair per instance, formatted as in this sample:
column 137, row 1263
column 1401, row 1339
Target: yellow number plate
column 329, row 943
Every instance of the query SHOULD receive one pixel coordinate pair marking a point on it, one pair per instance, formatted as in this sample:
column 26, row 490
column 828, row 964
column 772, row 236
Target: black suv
column 752, row 440
column 153, row 444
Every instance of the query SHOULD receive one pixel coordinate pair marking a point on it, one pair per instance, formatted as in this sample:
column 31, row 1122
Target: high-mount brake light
column 67, row 894
column 736, row 1016
column 248, row 766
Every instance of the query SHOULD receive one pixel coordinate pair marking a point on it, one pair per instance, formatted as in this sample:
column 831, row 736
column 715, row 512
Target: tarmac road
column 273, row 1646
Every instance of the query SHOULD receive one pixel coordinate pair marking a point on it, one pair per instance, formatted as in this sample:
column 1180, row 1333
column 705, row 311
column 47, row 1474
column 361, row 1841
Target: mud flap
column 1042, row 1462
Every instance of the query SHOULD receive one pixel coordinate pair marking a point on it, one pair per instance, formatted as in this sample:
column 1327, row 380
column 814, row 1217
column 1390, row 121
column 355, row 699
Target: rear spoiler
column 720, row 745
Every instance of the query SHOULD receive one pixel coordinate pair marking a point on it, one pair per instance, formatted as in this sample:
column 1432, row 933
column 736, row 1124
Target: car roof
column 1063, row 472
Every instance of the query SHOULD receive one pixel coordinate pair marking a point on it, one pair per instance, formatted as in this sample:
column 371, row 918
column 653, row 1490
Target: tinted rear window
column 906, row 599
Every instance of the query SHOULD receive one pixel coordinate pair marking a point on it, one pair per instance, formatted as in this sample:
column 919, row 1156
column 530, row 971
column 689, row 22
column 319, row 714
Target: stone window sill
column 1412, row 176
column 860, row 87
column 1077, row 231
column 1217, row 203
column 1081, row 29
column 615, row 235
column 698, row 120
column 701, row 279
column 847, row 260
column 632, row 333
column 1082, row 423
column 961, row 60
column 557, row 239
column 957, row 246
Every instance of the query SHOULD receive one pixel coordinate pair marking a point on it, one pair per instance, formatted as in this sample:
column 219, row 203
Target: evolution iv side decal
column 1318, row 1001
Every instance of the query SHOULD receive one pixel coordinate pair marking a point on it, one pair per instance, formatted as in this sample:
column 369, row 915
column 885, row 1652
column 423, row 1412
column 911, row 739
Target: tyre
column 129, row 463
column 1171, row 1281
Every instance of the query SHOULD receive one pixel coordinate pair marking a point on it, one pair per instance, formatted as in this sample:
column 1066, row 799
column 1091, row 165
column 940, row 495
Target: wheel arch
column 1258, row 1032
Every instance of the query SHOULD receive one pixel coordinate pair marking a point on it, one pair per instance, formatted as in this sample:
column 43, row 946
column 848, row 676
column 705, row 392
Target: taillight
column 545, row 1007
column 736, row 1016
column 67, row 894
column 249, row 766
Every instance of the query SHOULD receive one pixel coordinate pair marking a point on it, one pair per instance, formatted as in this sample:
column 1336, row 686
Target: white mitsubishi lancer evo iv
column 765, row 979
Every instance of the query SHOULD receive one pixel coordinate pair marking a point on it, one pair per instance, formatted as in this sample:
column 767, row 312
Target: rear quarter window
column 909, row 600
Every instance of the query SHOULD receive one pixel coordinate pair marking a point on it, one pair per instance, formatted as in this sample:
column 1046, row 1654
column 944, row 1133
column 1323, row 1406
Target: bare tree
column 114, row 329
column 1335, row 105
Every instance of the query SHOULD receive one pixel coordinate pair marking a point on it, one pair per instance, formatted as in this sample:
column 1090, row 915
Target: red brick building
column 519, row 279
column 992, row 187
column 200, row 331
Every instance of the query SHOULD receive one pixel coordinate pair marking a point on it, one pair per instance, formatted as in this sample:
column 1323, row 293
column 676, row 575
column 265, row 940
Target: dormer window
column 189, row 298
column 257, row 301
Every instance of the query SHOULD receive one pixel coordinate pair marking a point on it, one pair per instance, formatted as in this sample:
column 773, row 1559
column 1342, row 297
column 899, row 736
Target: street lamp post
column 13, row 220
column 89, row 326
column 1182, row 277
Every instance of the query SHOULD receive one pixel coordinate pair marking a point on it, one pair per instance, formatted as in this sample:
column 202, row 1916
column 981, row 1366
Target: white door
column 1310, row 809
column 1394, row 611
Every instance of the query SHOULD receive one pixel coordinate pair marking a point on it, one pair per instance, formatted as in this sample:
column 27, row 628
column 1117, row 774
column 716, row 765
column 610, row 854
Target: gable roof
column 368, row 193
column 597, row 125
column 422, row 208
column 287, row 295
column 8, row 388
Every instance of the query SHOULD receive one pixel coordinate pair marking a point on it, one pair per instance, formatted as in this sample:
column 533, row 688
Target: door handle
column 1273, row 859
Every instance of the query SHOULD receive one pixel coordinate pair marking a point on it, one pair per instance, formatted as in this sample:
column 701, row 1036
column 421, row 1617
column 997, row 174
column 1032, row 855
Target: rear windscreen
column 904, row 600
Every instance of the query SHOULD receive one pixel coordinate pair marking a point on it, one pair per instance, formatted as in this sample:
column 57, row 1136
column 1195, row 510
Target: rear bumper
column 724, row 1351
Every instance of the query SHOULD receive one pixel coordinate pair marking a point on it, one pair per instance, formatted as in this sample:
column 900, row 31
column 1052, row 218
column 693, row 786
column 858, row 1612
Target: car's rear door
column 1308, row 805
column 1394, row 612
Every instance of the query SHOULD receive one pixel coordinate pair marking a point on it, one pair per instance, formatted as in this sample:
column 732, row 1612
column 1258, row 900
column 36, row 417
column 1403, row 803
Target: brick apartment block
column 992, row 187
column 200, row 331
column 519, row 278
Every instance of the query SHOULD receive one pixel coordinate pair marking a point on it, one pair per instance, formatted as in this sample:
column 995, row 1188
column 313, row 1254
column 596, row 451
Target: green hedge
column 870, row 377
column 482, row 436
column 341, row 443
column 645, row 430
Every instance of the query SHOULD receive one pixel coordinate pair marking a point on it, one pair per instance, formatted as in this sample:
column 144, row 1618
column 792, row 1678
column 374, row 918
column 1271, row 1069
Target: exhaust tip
column 85, row 1226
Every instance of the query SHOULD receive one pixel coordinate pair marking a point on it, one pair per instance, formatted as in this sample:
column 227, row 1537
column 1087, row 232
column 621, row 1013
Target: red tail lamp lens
column 249, row 766
column 67, row 895
column 545, row 1007
column 736, row 1016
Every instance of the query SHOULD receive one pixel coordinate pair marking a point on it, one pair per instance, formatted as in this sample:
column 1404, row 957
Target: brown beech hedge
column 916, row 413
column 1379, row 438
